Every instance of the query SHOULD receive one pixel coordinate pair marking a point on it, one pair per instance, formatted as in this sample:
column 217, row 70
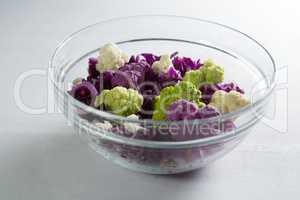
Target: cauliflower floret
column 228, row 101
column 104, row 125
column 236, row 100
column 133, row 127
column 110, row 57
column 218, row 101
column 213, row 73
column 208, row 73
column 120, row 101
column 162, row 65
column 195, row 77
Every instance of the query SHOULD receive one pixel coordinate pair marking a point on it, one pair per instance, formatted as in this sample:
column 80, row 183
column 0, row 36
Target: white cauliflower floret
column 228, row 101
column 132, row 127
column 218, row 100
column 236, row 100
column 162, row 66
column 111, row 57
column 104, row 125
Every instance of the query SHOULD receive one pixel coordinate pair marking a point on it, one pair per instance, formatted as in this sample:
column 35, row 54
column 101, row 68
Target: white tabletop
column 42, row 158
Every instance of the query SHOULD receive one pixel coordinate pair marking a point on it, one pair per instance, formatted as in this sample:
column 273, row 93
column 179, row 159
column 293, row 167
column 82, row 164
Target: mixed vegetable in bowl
column 148, row 86
column 162, row 88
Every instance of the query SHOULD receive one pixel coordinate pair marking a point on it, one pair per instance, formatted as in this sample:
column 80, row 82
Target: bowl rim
column 223, row 117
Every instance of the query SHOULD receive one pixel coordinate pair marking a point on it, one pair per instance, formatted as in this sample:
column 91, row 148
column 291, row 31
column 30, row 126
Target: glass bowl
column 150, row 146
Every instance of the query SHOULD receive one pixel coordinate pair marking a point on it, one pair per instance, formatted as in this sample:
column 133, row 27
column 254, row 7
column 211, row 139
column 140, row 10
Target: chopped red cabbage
column 131, row 75
column 170, row 78
column 184, row 64
column 182, row 109
column 149, row 92
column 104, row 81
column 93, row 73
column 135, row 59
column 206, row 112
column 150, row 58
column 84, row 92
column 127, row 79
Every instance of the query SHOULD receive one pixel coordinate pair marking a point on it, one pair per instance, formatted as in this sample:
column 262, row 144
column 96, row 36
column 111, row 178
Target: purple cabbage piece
column 149, row 90
column 151, row 76
column 127, row 79
column 184, row 64
column 208, row 90
column 104, row 81
column 131, row 75
column 93, row 73
column 150, row 58
column 142, row 67
column 207, row 112
column 172, row 75
column 135, row 59
column 182, row 109
column 84, row 92
column 185, row 110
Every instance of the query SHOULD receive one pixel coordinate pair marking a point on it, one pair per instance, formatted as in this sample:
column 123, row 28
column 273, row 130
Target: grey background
column 41, row 157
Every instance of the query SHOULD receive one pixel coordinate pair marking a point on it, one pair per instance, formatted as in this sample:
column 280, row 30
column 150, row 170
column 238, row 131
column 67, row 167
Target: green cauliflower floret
column 120, row 101
column 209, row 73
column 213, row 73
column 196, row 77
column 182, row 90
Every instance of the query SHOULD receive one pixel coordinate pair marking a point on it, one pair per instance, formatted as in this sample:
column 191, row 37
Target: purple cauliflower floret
column 172, row 75
column 102, row 81
column 184, row 64
column 131, row 75
column 182, row 109
column 150, row 58
column 127, row 79
column 207, row 90
column 206, row 112
column 135, row 59
column 84, row 92
column 142, row 67
column 185, row 110
column 149, row 92
column 93, row 73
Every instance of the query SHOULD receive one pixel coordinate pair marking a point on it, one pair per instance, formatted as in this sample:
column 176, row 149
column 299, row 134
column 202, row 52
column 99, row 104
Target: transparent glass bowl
column 156, row 149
